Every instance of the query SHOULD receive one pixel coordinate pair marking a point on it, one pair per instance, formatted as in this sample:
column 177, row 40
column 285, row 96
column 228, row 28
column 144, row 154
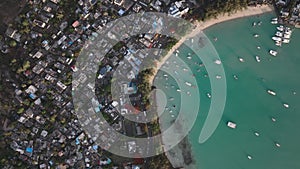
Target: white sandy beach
column 200, row 26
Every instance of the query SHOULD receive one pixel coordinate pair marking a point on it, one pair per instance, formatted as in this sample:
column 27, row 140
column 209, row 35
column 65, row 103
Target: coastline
column 178, row 160
column 200, row 26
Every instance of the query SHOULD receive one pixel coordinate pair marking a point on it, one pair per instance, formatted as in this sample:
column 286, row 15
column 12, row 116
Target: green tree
column 12, row 43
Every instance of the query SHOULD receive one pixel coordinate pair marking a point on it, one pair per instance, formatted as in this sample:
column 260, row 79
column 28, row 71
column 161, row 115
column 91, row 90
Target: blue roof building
column 29, row 150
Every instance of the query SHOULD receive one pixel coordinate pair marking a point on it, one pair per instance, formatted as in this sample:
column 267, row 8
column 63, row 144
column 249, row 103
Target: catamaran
column 280, row 34
column 273, row 52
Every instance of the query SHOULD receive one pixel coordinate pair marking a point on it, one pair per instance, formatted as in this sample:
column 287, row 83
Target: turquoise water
column 248, row 103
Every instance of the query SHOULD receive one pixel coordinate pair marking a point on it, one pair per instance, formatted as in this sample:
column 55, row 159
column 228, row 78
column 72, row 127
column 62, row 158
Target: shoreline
column 178, row 161
column 200, row 26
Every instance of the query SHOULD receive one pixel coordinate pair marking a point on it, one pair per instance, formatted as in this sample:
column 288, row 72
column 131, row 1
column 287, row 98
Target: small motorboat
column 275, row 38
column 208, row 95
column 241, row 59
column 257, row 58
column 188, row 83
column 271, row 92
column 286, row 41
column 286, row 105
column 235, row 77
column 218, row 62
column 278, row 43
column 280, row 28
column 231, row 125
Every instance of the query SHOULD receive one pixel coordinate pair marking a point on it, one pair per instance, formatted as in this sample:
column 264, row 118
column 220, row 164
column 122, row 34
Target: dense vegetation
column 212, row 8
column 144, row 87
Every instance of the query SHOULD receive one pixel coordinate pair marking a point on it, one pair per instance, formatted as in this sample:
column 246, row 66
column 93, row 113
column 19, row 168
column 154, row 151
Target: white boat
column 241, row 59
column 218, row 76
column 286, row 105
column 288, row 31
column 259, row 23
column 189, row 57
column 273, row 119
column 257, row 58
column 280, row 34
column 286, row 41
column 280, row 28
column 256, row 35
column 218, row 62
column 249, row 157
column 256, row 133
column 271, row 92
column 178, row 90
column 274, row 19
column 277, row 144
column 287, row 36
column 274, row 22
column 188, row 83
column 231, row 125
column 273, row 52
column 235, row 77
column 278, row 43
column 276, row 38
column 254, row 24
column 208, row 95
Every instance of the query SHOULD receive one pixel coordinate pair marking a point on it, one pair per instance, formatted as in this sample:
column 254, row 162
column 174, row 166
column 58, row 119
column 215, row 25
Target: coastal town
column 40, row 126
